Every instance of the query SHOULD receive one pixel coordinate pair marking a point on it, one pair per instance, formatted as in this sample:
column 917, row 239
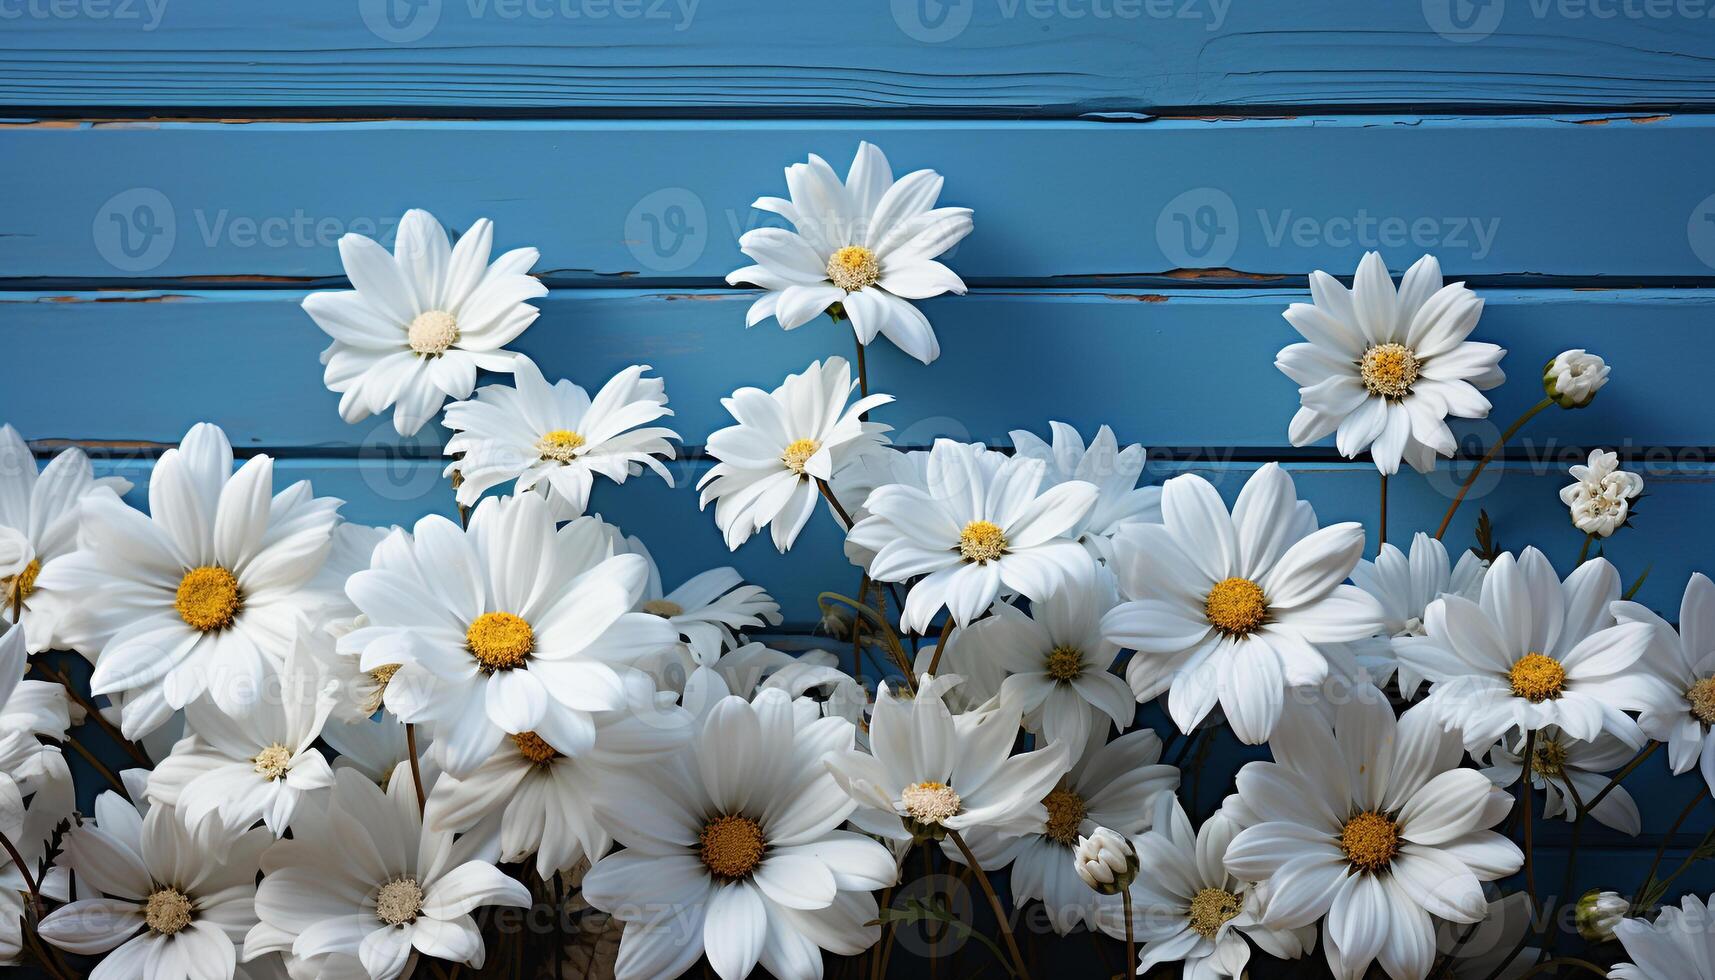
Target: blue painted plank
column 1181, row 369
column 1525, row 197
column 1061, row 56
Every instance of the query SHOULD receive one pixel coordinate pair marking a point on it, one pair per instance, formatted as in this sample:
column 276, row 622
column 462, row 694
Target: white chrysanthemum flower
column 939, row 772
column 1386, row 367
column 1189, row 908
column 978, row 526
column 33, row 834
column 1679, row 945
column 708, row 609
column 1573, row 378
column 1232, row 608
column 174, row 904
column 362, row 878
column 1056, row 663
column 1113, row 785
column 555, row 439
column 422, row 320
column 42, row 510
column 1601, row 500
column 202, row 595
column 1556, row 760
column 868, row 245
column 497, row 625
column 1683, row 713
column 784, row 442
column 1534, row 652
column 260, row 764
column 733, row 849
column 1373, row 825
column 1114, row 473
column 1405, row 585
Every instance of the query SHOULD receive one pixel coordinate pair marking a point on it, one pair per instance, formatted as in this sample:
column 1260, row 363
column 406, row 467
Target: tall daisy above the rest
column 203, row 594
column 1233, row 607
column 1386, row 367
column 786, row 440
column 555, row 439
column 867, row 246
column 978, row 524
column 1113, row 471
column 421, row 320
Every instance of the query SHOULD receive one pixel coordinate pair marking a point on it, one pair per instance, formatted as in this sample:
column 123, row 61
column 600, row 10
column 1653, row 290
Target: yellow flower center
column 799, row 453
column 273, row 762
column 1066, row 813
column 1389, row 370
column 532, row 747
column 381, row 675
column 665, row 608
column 1537, row 678
column 499, row 641
column 208, row 598
column 1236, row 606
column 852, row 268
column 1211, row 908
column 560, row 445
column 399, row 902
column 982, row 541
column 732, row 846
column 432, row 332
column 930, row 803
column 1702, row 699
column 1548, row 759
column 167, row 911
column 17, row 588
column 1064, row 663
column 1370, row 841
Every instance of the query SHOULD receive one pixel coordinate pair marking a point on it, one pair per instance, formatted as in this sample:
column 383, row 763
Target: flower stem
column 30, row 883
column 863, row 372
column 941, row 644
column 1637, row 761
column 95, row 716
column 1584, row 552
column 1529, row 761
column 834, row 502
column 1465, row 488
column 994, row 903
column 100, row 767
column 1381, row 528
column 1130, row 942
column 1661, row 852
column 416, row 769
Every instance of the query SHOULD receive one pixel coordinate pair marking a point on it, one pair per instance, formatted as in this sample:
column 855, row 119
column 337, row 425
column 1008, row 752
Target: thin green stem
column 1381, row 527
column 1584, row 551
column 1465, row 488
column 1661, row 852
column 1614, row 783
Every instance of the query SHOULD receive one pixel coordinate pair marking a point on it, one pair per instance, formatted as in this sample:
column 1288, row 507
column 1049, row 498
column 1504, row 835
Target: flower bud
column 1105, row 861
column 1573, row 378
column 1598, row 913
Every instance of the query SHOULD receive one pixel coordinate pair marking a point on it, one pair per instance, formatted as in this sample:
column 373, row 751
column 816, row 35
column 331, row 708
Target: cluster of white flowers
column 372, row 735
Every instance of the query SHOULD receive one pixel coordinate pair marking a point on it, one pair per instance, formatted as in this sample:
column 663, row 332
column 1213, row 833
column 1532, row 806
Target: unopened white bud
column 1573, row 378
column 1105, row 861
column 1598, row 913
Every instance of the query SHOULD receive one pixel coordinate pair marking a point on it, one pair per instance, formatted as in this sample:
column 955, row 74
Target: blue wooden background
column 1152, row 181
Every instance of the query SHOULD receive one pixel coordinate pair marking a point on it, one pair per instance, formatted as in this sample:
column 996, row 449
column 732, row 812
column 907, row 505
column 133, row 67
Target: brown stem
column 941, row 644
column 1512, row 430
column 994, row 903
column 828, row 494
column 1381, row 529
column 1637, row 761
column 1584, row 552
column 1125, row 900
column 863, row 372
column 30, row 883
column 1524, row 791
column 1661, row 852
column 95, row 716
column 416, row 769
column 100, row 767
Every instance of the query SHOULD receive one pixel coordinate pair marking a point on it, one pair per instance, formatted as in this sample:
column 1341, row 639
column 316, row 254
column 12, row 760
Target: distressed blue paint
column 1493, row 196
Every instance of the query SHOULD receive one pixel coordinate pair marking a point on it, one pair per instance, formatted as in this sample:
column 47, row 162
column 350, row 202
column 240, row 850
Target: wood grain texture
column 899, row 57
column 1534, row 199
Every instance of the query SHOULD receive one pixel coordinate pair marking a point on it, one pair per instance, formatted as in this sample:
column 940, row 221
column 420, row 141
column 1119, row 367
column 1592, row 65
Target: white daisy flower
column 29, row 712
column 814, row 675
column 733, row 849
column 174, row 904
column 1679, row 945
column 1114, row 473
column 495, row 625
column 1601, row 499
column 939, row 772
column 42, row 510
column 1683, row 714
column 977, row 526
column 260, row 764
column 1386, row 367
column 1189, row 908
column 204, row 594
column 422, row 320
column 1477, row 953
column 707, row 609
column 555, row 439
column 1405, row 585
column 362, row 878
column 784, row 442
column 1114, row 785
column 867, row 245
column 1373, row 825
column 1534, row 652
column 1573, row 377
column 33, row 834
column 1232, row 608
column 1055, row 660
column 1557, row 760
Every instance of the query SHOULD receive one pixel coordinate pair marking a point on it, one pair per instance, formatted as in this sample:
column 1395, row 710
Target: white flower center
column 273, row 762
column 798, row 453
column 399, row 901
column 853, row 268
column 167, row 911
column 1389, row 370
column 432, row 332
column 930, row 803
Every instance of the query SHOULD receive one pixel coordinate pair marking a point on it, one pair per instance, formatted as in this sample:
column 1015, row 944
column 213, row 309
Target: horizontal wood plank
column 1533, row 199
